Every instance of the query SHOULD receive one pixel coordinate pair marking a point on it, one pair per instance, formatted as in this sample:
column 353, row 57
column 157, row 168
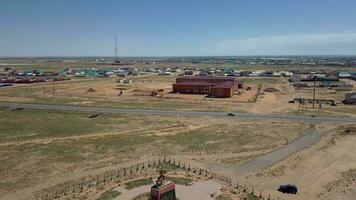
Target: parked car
column 289, row 189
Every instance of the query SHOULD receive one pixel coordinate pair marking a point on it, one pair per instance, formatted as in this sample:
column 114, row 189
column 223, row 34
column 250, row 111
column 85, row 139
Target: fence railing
column 137, row 170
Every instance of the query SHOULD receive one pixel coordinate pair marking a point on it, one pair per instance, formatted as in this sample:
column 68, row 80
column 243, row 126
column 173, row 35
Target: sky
column 177, row 27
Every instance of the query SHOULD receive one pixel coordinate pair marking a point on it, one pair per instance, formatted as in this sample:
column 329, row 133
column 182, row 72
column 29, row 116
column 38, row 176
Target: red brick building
column 216, row 86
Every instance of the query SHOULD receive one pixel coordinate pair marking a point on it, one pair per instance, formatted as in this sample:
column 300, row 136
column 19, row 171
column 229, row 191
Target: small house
column 344, row 75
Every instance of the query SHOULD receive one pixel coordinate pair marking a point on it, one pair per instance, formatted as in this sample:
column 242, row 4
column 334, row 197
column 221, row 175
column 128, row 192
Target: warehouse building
column 211, row 85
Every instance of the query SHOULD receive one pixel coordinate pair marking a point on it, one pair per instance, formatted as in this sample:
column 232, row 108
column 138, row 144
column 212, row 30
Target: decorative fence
column 75, row 188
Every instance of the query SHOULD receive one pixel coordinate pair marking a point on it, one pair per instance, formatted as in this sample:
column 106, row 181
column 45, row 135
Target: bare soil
column 325, row 171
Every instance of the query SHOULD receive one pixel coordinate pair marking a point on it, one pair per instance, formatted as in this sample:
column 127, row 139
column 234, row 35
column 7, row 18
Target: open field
column 37, row 155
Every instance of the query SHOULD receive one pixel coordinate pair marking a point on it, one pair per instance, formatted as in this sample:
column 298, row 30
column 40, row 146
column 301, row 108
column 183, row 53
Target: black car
column 231, row 114
column 289, row 189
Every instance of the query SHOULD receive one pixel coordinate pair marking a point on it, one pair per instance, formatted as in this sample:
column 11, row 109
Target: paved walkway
column 261, row 163
column 198, row 191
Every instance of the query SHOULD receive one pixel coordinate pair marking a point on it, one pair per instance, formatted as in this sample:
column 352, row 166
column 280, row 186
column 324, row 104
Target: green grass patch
column 179, row 180
column 109, row 195
column 29, row 123
column 211, row 138
column 137, row 183
column 167, row 167
column 38, row 124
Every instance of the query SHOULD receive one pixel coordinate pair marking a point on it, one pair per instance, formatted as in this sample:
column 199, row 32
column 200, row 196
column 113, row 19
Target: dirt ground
column 325, row 171
column 138, row 95
column 35, row 157
column 43, row 149
column 106, row 92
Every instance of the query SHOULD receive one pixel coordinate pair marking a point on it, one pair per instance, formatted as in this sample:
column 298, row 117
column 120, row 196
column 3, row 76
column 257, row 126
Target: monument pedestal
column 165, row 191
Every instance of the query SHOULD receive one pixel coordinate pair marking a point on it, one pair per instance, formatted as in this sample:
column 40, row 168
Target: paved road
column 179, row 113
column 259, row 164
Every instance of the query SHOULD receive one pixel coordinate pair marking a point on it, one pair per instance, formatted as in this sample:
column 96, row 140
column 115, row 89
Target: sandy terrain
column 53, row 153
column 105, row 92
column 325, row 171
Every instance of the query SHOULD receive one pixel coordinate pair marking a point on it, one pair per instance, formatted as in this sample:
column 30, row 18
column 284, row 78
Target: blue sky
column 177, row 27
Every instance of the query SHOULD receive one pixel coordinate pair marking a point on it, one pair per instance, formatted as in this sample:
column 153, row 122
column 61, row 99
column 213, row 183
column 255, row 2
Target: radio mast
column 115, row 47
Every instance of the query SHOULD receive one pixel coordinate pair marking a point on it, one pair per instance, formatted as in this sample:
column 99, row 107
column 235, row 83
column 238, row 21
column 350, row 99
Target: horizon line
column 195, row 56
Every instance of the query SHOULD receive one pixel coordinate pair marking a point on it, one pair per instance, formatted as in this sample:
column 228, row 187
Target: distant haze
column 177, row 27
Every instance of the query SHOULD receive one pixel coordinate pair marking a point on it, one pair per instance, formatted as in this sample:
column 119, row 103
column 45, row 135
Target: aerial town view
column 178, row 100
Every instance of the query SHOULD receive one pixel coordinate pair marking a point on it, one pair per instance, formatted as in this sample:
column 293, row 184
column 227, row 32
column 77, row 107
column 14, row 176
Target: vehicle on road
column 289, row 189
column 231, row 114
column 17, row 109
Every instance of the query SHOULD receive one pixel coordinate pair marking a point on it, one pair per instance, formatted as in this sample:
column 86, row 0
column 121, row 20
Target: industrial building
column 215, row 86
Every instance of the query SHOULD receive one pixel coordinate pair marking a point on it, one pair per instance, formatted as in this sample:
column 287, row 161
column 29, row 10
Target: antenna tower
column 115, row 47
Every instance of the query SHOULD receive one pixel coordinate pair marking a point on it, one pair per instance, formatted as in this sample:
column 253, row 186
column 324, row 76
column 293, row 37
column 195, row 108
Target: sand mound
column 91, row 90
column 271, row 90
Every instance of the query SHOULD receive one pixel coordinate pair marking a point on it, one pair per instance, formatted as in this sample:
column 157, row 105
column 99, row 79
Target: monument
column 163, row 189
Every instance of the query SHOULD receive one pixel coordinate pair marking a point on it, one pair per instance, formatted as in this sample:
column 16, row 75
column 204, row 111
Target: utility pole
column 54, row 89
column 314, row 78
